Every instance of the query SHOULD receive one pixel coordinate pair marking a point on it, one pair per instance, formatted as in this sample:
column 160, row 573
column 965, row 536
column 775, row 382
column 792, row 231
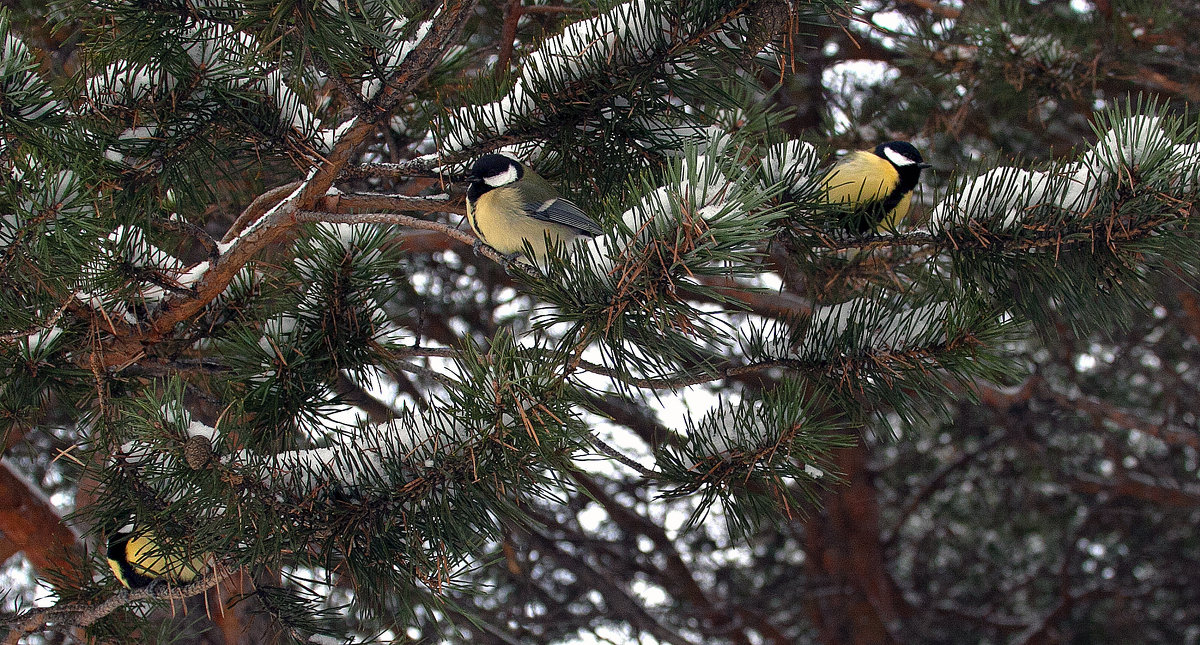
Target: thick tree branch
column 33, row 526
column 1139, row 487
column 256, row 233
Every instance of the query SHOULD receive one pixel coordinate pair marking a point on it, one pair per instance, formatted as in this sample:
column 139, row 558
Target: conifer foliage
column 240, row 310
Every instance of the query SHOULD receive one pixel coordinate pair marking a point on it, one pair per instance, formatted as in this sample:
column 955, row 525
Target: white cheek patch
column 897, row 158
column 502, row 179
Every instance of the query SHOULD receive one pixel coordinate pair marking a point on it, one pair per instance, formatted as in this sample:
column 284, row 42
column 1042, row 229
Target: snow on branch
column 1001, row 195
column 629, row 33
column 702, row 192
column 729, row 429
column 775, row 445
column 26, row 96
column 339, row 145
column 125, row 82
column 398, row 50
column 864, row 324
column 128, row 255
column 371, row 457
column 364, row 457
column 793, row 165
column 1003, row 199
column 292, row 112
column 223, row 56
column 861, row 328
column 220, row 51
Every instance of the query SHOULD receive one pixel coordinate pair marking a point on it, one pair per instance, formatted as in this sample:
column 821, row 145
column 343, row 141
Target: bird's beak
column 924, row 165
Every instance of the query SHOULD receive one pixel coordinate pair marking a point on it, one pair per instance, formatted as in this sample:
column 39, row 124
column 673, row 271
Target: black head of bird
column 906, row 159
column 492, row 171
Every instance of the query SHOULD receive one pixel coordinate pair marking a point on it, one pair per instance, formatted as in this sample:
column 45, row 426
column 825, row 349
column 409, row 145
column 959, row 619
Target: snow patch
column 1001, row 195
column 791, row 163
column 627, row 33
column 871, row 326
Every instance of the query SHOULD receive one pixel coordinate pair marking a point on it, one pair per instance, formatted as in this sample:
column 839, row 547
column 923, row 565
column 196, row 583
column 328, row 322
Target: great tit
column 138, row 558
column 508, row 204
column 876, row 184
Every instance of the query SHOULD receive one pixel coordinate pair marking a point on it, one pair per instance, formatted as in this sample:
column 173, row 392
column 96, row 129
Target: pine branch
column 48, row 324
column 82, row 614
column 1086, row 233
column 249, row 241
column 221, row 271
column 420, row 61
column 429, row 165
column 414, row 69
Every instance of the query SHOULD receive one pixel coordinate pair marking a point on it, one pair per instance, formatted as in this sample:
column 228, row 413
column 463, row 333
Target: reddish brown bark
column 845, row 552
column 33, row 526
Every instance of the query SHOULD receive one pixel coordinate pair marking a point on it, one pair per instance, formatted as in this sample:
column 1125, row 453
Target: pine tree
column 240, row 309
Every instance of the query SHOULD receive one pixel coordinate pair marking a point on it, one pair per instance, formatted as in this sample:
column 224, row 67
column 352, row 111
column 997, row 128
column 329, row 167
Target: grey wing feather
column 561, row 211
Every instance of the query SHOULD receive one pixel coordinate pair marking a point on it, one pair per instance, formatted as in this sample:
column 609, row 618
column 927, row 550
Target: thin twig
column 616, row 454
column 349, row 202
column 191, row 230
column 409, row 221
column 685, row 381
column 421, row 60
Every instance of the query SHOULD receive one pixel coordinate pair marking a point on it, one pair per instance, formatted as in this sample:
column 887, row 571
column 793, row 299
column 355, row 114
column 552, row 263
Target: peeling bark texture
column 847, row 557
